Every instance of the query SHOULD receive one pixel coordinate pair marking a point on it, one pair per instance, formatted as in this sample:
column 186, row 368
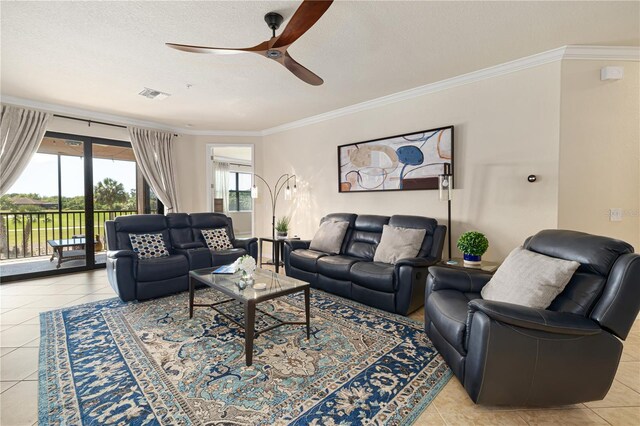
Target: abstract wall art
column 396, row 163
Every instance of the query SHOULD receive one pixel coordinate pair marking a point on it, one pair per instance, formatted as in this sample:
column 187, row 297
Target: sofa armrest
column 115, row 254
column 535, row 319
column 297, row 244
column 243, row 242
column 444, row 278
column 249, row 244
column 417, row 262
column 186, row 246
column 121, row 273
column 290, row 246
column 410, row 275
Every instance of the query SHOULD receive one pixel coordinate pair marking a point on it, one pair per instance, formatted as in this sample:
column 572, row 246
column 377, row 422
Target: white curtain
column 221, row 183
column 152, row 150
column 21, row 131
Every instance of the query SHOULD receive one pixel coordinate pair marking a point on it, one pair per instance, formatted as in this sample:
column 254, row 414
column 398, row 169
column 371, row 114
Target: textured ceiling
column 99, row 55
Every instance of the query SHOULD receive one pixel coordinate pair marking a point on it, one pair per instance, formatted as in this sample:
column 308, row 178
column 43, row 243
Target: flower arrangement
column 245, row 264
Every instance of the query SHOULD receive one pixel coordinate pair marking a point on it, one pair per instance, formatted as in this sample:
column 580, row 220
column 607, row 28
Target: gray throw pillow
column 398, row 243
column 329, row 237
column 529, row 279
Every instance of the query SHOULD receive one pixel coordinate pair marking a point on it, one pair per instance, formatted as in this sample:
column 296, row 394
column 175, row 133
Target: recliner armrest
column 243, row 242
column 297, row 244
column 186, row 246
column 115, row 254
column 469, row 281
column 417, row 262
column 535, row 319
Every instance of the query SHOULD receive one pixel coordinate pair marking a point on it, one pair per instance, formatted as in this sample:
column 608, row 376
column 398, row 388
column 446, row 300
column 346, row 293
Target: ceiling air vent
column 154, row 94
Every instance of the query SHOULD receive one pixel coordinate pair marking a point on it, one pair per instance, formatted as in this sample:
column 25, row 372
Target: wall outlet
column 615, row 215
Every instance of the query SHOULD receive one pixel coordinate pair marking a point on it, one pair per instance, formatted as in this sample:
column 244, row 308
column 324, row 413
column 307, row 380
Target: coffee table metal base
column 250, row 333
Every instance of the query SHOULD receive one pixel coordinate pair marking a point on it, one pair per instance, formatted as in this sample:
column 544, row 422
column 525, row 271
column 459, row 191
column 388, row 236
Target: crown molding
column 620, row 53
column 118, row 119
column 603, row 53
column 572, row 52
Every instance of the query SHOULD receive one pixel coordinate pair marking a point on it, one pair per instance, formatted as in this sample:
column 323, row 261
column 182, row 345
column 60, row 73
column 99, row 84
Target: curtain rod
column 94, row 121
column 233, row 164
column 89, row 121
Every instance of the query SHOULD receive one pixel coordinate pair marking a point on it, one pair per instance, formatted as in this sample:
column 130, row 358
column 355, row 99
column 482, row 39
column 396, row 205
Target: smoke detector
column 154, row 94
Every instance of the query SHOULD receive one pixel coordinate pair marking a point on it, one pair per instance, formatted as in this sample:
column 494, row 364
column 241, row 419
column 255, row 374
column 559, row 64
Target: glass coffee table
column 277, row 286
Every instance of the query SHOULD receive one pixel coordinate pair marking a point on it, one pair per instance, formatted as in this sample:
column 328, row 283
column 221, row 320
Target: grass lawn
column 48, row 226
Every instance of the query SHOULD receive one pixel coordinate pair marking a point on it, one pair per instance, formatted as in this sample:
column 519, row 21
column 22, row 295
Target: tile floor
column 21, row 302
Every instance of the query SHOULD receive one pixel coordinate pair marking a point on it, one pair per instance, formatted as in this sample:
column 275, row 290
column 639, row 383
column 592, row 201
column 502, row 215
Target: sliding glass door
column 52, row 219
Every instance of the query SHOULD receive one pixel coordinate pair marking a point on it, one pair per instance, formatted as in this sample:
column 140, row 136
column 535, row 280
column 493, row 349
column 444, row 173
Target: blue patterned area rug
column 149, row 364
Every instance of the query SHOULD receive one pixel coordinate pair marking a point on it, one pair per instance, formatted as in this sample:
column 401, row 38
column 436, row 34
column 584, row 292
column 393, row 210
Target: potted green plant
column 282, row 226
column 473, row 245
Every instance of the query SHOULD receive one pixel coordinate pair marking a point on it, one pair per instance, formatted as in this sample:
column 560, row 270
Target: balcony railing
column 25, row 234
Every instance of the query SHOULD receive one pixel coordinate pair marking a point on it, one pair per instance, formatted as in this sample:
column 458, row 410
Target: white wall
column 506, row 128
column 190, row 154
column 600, row 150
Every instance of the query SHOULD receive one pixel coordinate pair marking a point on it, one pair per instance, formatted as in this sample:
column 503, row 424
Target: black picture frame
column 383, row 164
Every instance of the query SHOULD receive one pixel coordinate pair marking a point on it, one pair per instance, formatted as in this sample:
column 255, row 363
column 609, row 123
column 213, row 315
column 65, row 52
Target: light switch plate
column 615, row 215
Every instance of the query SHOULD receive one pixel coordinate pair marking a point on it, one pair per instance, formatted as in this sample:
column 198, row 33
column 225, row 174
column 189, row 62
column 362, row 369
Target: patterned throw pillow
column 217, row 239
column 148, row 246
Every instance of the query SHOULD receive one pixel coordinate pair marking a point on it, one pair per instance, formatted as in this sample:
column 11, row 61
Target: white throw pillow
column 217, row 239
column 329, row 237
column 148, row 246
column 529, row 279
column 398, row 243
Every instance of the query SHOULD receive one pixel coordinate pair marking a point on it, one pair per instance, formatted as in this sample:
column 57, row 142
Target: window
column 240, row 192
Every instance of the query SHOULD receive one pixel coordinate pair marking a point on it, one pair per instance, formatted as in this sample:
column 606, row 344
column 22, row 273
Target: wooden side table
column 485, row 266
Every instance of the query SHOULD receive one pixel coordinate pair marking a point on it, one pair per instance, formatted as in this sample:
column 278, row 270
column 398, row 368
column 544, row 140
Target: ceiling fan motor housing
column 273, row 20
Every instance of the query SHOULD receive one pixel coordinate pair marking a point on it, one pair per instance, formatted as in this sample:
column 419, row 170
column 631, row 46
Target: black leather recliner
column 506, row 354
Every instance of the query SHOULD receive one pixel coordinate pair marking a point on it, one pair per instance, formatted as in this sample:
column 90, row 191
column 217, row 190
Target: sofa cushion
column 337, row 266
column 365, row 236
column 398, row 243
column 148, row 246
column 305, row 259
column 529, row 279
column 329, row 237
column 447, row 311
column 162, row 268
column 224, row 257
column 373, row 275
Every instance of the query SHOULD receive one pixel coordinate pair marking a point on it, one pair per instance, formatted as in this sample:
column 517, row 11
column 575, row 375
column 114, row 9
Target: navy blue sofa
column 139, row 279
column 352, row 273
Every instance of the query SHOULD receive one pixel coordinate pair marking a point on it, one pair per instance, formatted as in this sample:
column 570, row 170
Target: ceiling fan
column 276, row 47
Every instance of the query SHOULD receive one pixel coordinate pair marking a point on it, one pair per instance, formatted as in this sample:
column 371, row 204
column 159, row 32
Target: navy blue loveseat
column 133, row 278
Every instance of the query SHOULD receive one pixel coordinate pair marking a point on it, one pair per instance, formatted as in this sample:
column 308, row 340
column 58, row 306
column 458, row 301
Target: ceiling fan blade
column 205, row 49
column 304, row 18
column 299, row 71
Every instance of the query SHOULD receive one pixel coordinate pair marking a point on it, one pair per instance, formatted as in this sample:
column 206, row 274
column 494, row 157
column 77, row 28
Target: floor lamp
column 445, row 193
column 274, row 193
